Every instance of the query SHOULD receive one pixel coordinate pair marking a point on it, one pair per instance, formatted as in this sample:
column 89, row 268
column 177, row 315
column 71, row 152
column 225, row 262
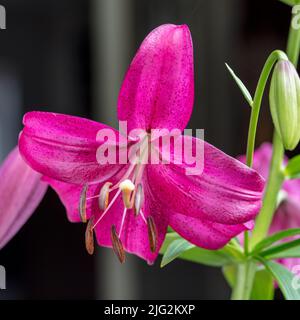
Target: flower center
column 130, row 187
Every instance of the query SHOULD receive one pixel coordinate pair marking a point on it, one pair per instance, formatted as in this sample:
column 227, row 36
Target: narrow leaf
column 288, row 253
column 280, row 248
column 287, row 281
column 240, row 84
column 292, row 170
column 176, row 247
column 274, row 238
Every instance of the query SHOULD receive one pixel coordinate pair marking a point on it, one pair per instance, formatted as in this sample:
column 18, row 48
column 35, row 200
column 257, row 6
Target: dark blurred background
column 70, row 57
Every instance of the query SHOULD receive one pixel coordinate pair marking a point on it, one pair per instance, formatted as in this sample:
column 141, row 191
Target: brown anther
column 138, row 199
column 104, row 196
column 82, row 204
column 152, row 233
column 89, row 237
column 117, row 244
column 127, row 188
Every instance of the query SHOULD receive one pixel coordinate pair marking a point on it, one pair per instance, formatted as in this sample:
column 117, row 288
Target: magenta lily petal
column 21, row 192
column 64, row 147
column 204, row 233
column 226, row 192
column 158, row 89
column 69, row 195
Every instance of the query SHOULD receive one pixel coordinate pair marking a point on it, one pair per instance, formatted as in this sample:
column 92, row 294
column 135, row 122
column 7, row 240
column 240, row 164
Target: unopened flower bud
column 285, row 103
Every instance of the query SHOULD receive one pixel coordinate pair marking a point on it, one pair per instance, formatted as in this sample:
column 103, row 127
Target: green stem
column 274, row 183
column 272, row 59
column 246, row 271
column 244, row 281
column 293, row 45
column 276, row 178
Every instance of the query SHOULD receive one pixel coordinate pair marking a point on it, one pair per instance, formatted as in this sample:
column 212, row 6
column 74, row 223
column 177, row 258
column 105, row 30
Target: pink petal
column 69, row 195
column 204, row 233
column 226, row 192
column 261, row 159
column 158, row 89
column 64, row 147
column 21, row 192
column 135, row 233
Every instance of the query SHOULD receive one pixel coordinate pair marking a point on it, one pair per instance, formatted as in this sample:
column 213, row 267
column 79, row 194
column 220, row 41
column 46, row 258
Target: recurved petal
column 21, row 191
column 226, row 191
column 65, row 147
column 204, row 233
column 158, row 89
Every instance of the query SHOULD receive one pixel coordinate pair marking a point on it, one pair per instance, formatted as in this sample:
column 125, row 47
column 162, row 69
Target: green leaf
column 274, row 238
column 290, row 2
column 288, row 253
column 292, row 170
column 229, row 272
column 280, row 248
column 263, row 285
column 240, row 84
column 176, row 247
column 286, row 279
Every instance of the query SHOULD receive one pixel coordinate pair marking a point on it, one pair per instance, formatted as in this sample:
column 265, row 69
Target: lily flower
column 130, row 205
column 287, row 214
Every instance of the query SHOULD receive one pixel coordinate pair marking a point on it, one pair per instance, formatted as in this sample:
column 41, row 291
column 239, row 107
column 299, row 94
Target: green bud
column 285, row 103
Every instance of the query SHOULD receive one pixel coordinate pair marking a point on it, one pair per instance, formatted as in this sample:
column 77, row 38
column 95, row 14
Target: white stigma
column 127, row 185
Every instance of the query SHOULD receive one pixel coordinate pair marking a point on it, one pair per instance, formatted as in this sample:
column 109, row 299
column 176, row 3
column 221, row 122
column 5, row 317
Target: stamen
column 82, row 204
column 143, row 216
column 109, row 206
column 126, row 187
column 104, row 196
column 122, row 223
column 152, row 233
column 138, row 199
column 89, row 237
column 117, row 245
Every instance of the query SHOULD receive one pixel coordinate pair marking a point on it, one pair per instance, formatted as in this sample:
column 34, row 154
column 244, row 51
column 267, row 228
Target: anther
column 82, row 204
column 152, row 233
column 104, row 196
column 138, row 199
column 89, row 237
column 127, row 188
column 117, row 244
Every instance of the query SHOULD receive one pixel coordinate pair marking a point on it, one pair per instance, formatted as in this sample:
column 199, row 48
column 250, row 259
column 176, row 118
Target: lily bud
column 285, row 103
